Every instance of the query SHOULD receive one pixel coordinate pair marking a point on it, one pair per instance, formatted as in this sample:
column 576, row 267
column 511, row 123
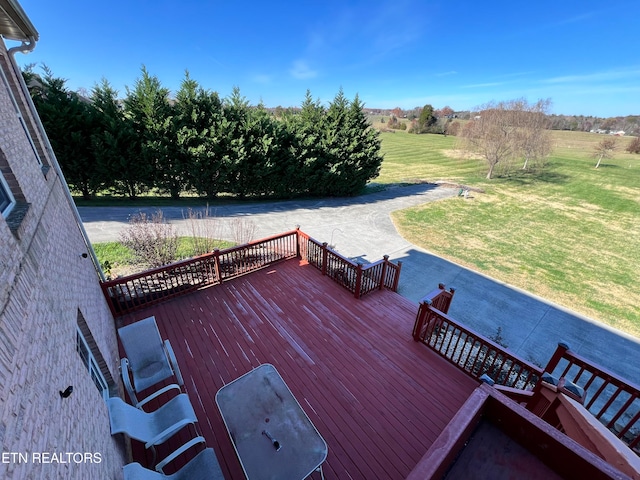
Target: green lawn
column 570, row 234
column 411, row 158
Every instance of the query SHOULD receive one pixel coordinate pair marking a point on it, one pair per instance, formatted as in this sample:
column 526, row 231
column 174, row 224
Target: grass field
column 570, row 233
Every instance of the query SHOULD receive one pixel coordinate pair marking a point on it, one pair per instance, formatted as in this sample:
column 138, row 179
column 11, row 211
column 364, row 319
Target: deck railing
column 159, row 284
column 611, row 399
column 471, row 352
column 359, row 279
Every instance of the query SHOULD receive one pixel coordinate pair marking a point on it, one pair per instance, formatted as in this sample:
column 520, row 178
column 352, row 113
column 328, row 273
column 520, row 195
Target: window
column 93, row 360
column 7, row 201
column 92, row 365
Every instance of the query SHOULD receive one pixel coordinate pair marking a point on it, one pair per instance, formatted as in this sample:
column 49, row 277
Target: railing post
column 556, row 357
column 324, row 258
column 383, row 276
column 358, row 281
column 298, row 242
column 553, row 362
column 216, row 264
column 397, row 279
column 420, row 318
column 109, row 299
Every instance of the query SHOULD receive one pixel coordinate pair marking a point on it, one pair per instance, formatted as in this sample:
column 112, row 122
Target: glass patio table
column 273, row 436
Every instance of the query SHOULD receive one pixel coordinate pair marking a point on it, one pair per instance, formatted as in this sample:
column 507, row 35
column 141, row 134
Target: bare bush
column 243, row 230
column 634, row 146
column 152, row 240
column 453, row 129
column 604, row 149
column 205, row 230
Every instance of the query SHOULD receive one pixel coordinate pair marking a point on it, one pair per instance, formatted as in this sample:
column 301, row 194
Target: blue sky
column 583, row 55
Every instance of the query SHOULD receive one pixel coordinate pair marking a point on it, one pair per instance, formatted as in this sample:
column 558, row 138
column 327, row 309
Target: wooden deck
column 378, row 398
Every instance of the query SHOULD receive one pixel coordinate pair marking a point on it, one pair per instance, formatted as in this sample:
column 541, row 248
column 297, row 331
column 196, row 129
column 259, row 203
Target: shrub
column 453, row 129
column 153, row 241
column 634, row 146
column 396, row 125
column 243, row 230
column 205, row 230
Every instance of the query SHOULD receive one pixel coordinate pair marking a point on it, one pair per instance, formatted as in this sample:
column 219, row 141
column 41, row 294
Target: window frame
column 90, row 362
column 10, row 202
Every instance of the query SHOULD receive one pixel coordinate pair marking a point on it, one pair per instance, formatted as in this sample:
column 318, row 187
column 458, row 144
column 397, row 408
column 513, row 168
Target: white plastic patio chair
column 148, row 360
column 152, row 428
column 204, row 466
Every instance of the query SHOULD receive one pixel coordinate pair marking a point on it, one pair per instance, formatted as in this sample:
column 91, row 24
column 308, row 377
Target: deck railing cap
column 487, row 379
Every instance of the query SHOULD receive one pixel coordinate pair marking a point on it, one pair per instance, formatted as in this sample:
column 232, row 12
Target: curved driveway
column 361, row 228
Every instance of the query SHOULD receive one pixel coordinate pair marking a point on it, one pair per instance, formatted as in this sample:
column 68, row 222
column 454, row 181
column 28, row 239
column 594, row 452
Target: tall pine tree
column 68, row 120
column 117, row 145
column 197, row 119
column 147, row 106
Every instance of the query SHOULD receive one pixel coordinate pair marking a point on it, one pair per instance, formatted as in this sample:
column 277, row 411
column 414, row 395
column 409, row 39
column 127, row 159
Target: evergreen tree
column 118, row 146
column 352, row 146
column 69, row 122
column 260, row 153
column 285, row 178
column 206, row 145
column 364, row 157
column 306, row 130
column 334, row 172
column 147, row 106
column 197, row 119
column 426, row 121
column 233, row 142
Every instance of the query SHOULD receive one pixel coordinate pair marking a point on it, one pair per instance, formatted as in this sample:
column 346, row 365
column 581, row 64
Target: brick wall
column 44, row 283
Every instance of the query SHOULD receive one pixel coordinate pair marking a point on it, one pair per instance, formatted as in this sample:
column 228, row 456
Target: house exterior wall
column 45, row 284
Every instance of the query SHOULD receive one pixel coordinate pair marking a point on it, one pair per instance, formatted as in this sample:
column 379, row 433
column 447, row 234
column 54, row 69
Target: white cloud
column 301, row 70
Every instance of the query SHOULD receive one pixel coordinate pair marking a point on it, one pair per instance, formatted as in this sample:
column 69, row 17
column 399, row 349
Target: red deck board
column 378, row 398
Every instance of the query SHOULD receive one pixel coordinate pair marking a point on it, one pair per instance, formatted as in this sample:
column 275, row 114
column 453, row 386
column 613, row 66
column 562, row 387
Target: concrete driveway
column 361, row 228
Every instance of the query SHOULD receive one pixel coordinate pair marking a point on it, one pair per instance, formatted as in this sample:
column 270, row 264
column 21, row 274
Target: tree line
column 200, row 143
column 630, row 124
